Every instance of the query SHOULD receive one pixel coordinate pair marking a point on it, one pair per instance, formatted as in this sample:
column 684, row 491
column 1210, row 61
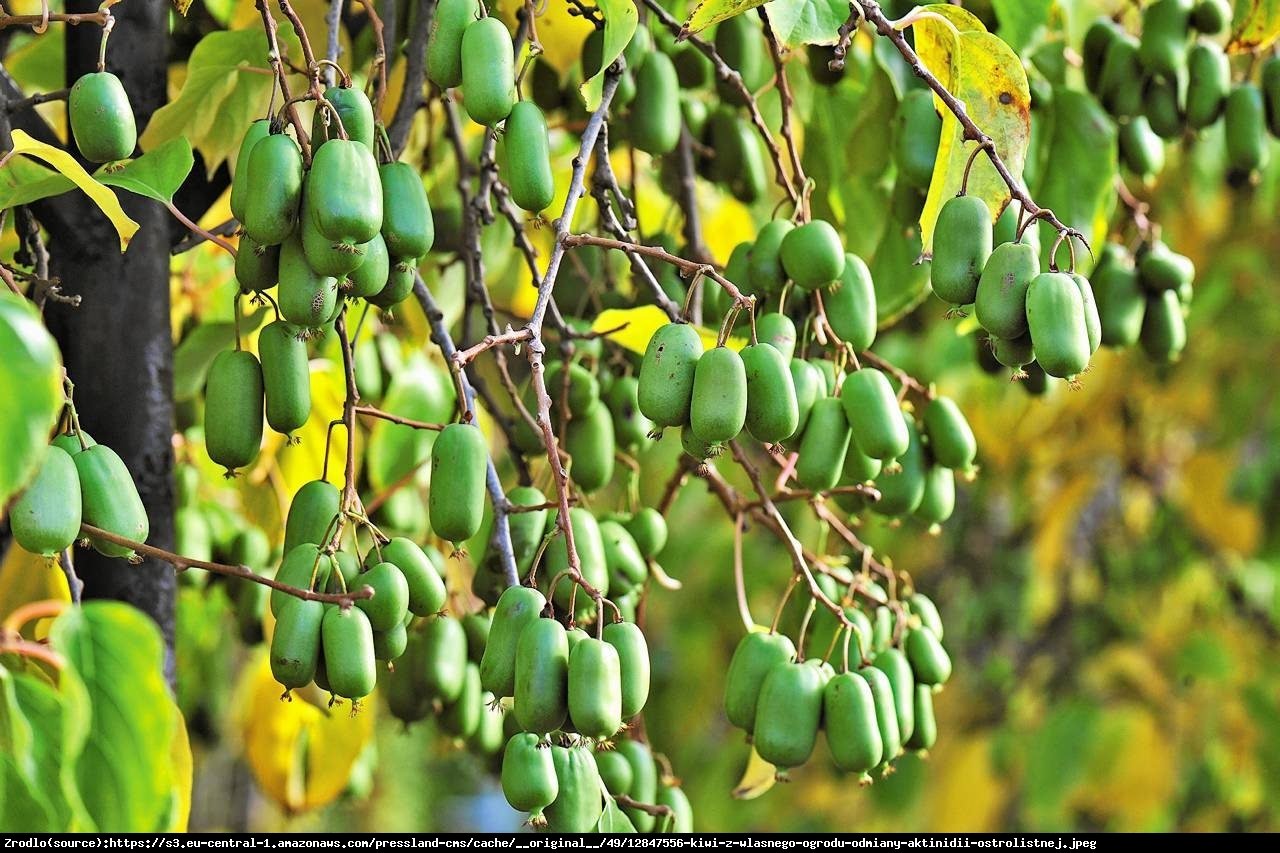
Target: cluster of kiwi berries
column 1163, row 84
column 876, row 707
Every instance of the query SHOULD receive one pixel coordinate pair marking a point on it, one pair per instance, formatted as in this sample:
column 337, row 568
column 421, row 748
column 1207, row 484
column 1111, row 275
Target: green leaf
column 24, row 181
column 620, row 20
column 228, row 85
column 1255, row 24
column 614, row 819
column 801, row 22
column 1020, row 20
column 156, row 174
column 194, row 356
column 117, row 655
column 58, row 721
column 988, row 78
column 1080, row 165
column 711, row 12
column 31, row 388
column 421, row 391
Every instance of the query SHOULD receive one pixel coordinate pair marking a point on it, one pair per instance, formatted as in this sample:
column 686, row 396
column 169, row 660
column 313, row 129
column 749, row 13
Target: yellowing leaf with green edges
column 632, row 328
column 710, row 12
column 620, row 18
column 67, row 165
column 1255, row 24
column 988, row 78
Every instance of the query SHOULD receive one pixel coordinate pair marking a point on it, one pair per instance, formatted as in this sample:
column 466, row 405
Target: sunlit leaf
column 633, row 327
column 64, row 163
column 758, row 777
column 156, row 174
column 710, row 12
column 620, row 19
column 30, row 391
column 988, row 78
column 1020, row 19
column 24, row 181
column 1254, row 25
column 801, row 22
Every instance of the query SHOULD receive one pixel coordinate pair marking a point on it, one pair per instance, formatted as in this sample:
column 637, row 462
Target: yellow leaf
column 757, row 779
column 710, row 12
column 67, row 165
column 1132, row 770
column 1205, row 496
column 561, row 34
column 987, row 76
column 180, row 752
column 633, row 327
column 969, row 793
column 300, row 752
column 1053, row 539
column 27, row 577
column 1255, row 25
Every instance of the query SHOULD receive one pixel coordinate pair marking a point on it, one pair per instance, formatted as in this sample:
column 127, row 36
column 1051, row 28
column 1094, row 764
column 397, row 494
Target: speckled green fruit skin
column 595, row 688
column 929, row 660
column 667, row 374
column 299, row 565
column 951, row 439
column 286, row 376
column 241, row 181
column 644, row 781
column 306, row 298
column 849, row 714
column 812, row 255
column 295, row 643
column 373, row 273
column 272, row 203
column 633, row 662
column 444, row 46
column 400, row 282
column 328, row 257
column 355, row 113
column 257, row 266
column 311, row 514
column 851, row 304
column 444, row 658
column 542, row 677
column 390, row 602
column 488, row 71
column 233, row 409
column 1208, row 82
column 902, row 489
column 917, row 129
column 341, row 192
column 528, row 157
column 1000, row 304
column 961, row 245
column 1244, row 120
column 655, row 112
column 823, row 448
column 778, row 331
column 45, row 519
column 350, row 662
column 101, row 118
column 518, row 607
column 580, row 799
column 893, row 663
column 788, row 714
column 756, row 654
column 591, row 445
column 529, row 775
column 882, row 693
column 1164, row 327
column 1055, row 318
column 408, row 227
column 719, row 405
column 459, row 463
column 878, row 425
column 764, row 263
column 773, row 412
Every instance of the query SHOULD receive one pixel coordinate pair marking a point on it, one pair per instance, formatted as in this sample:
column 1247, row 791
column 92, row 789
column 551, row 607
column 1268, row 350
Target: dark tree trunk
column 118, row 345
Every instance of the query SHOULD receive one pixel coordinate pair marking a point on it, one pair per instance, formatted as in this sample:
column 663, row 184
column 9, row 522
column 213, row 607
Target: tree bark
column 118, row 344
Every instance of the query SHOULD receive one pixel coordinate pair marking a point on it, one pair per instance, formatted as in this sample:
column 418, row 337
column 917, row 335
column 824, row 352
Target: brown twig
column 372, row 412
column 277, row 58
column 788, row 104
column 178, row 561
column 71, row 18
